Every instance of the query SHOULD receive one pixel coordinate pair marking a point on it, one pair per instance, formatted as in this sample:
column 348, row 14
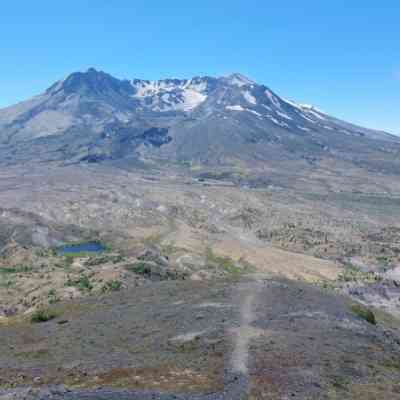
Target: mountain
column 195, row 239
column 93, row 117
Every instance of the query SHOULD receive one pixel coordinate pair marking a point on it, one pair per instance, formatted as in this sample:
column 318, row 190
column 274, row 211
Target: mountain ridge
column 94, row 116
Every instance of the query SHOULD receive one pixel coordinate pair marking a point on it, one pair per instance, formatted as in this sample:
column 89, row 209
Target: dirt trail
column 247, row 295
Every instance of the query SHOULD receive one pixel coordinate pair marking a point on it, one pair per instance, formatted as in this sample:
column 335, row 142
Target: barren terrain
column 208, row 289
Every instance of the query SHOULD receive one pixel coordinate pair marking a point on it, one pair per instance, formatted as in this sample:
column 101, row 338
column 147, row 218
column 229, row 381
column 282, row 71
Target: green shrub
column 393, row 364
column 82, row 283
column 140, row 267
column 353, row 275
column 340, row 382
column 46, row 253
column 7, row 283
column 111, row 286
column 42, row 315
column 8, row 270
column 224, row 263
column 93, row 261
column 364, row 313
column 16, row 270
column 52, row 296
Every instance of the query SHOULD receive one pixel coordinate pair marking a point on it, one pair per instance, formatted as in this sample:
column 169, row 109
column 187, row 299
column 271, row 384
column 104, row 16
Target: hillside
column 245, row 246
column 228, row 121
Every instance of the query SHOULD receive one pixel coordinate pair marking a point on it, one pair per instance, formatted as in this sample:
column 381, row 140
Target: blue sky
column 342, row 56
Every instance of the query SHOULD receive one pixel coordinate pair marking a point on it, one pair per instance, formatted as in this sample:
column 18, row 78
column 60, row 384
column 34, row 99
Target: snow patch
column 240, row 108
column 187, row 337
column 240, row 80
column 283, row 115
column 307, row 118
column 192, row 99
column 316, row 114
column 303, row 128
column 213, row 305
column 273, row 99
column 276, row 122
column 306, row 108
column 311, row 107
column 293, row 104
column 171, row 95
column 162, row 208
column 235, row 108
column 254, row 112
column 249, row 97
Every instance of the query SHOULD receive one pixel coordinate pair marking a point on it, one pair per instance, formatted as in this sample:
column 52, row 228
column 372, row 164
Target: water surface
column 88, row 247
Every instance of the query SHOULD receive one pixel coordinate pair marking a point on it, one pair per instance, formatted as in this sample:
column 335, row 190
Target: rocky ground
column 208, row 289
column 254, row 338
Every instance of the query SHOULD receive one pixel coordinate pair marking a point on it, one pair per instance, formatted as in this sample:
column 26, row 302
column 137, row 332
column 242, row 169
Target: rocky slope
column 204, row 340
column 92, row 117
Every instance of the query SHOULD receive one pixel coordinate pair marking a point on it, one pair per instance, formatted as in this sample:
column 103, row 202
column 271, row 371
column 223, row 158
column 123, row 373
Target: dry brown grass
column 273, row 261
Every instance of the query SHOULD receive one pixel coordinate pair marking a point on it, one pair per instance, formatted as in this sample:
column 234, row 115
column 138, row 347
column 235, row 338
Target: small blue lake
column 89, row 247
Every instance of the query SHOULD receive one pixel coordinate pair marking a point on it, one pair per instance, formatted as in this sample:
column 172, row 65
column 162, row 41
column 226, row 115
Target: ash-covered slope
column 92, row 116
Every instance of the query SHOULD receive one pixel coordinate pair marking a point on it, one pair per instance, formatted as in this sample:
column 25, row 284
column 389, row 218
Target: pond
column 88, row 247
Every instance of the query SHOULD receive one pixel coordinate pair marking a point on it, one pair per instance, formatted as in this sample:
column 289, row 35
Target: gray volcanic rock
column 93, row 117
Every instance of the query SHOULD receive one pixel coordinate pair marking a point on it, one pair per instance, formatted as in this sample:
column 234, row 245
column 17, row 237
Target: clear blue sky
column 343, row 56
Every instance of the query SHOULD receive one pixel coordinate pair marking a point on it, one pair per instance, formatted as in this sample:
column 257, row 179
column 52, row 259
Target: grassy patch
column 340, row 382
column 169, row 249
column 78, row 254
column 153, row 271
column 93, row 261
column 43, row 315
column 325, row 284
column 82, row 283
column 225, row 264
column 111, row 286
column 7, row 284
column 393, row 364
column 46, row 253
column 52, row 296
column 153, row 240
column 364, row 313
column 16, row 270
column 68, row 260
column 355, row 275
column 384, row 261
column 140, row 268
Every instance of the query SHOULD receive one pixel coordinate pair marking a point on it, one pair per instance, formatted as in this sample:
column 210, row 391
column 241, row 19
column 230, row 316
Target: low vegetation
column 355, row 275
column 6, row 284
column 66, row 261
column 44, row 253
column 103, row 259
column 52, row 296
column 351, row 274
column 82, row 283
column 226, row 264
column 16, row 269
column 140, row 268
column 112, row 286
column 43, row 315
column 364, row 313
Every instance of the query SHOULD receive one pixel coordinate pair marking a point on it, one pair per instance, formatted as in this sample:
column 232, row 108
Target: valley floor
column 206, row 290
